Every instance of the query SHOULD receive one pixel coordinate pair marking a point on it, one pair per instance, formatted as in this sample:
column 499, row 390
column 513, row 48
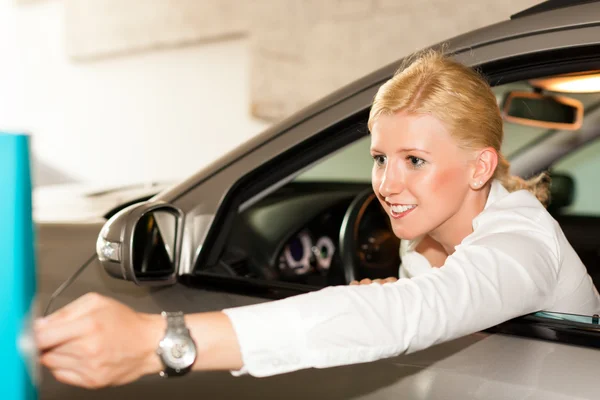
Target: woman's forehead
column 402, row 129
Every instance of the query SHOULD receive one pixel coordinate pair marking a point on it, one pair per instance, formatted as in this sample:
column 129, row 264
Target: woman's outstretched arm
column 96, row 341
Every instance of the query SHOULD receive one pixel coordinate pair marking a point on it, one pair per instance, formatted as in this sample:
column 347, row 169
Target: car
column 291, row 211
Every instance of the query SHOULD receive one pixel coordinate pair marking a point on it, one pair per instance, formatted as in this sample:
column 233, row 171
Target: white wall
column 153, row 116
column 163, row 114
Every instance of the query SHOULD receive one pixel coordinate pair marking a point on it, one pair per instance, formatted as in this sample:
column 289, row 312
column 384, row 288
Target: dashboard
column 310, row 253
column 293, row 235
column 303, row 254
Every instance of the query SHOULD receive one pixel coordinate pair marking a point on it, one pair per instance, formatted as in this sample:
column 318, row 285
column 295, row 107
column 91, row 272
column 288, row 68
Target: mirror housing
column 541, row 110
column 142, row 244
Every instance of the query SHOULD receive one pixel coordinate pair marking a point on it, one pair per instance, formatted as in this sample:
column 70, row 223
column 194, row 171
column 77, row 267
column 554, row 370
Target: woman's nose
column 392, row 182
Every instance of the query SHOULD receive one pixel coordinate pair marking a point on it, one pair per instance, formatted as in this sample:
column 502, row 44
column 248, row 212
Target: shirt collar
column 497, row 191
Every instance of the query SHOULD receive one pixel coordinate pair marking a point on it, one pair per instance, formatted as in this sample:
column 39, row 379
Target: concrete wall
column 105, row 28
column 157, row 115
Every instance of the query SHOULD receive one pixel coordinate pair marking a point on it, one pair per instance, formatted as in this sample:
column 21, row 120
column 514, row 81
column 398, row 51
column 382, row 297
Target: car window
column 583, row 166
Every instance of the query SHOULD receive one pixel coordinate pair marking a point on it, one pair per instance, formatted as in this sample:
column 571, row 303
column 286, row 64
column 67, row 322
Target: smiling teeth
column 401, row 209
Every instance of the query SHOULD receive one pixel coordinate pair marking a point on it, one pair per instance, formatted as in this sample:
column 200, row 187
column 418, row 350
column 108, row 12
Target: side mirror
column 540, row 110
column 562, row 192
column 141, row 243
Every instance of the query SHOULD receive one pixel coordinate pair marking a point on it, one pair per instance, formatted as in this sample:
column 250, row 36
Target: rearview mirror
column 544, row 111
column 141, row 244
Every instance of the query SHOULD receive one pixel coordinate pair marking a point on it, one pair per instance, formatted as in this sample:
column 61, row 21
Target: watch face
column 178, row 352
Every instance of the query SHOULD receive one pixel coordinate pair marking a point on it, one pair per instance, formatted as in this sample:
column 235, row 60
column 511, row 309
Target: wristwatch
column 177, row 349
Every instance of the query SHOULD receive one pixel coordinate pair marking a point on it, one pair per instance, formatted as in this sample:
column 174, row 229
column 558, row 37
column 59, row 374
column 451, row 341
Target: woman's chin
column 404, row 234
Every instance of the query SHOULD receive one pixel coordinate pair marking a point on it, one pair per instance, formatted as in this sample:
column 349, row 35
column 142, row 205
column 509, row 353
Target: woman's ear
column 484, row 166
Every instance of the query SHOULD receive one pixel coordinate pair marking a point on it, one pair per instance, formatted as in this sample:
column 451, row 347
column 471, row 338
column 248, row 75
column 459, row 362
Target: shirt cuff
column 267, row 346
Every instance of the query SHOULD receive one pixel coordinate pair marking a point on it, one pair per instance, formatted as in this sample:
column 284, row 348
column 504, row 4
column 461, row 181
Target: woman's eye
column 379, row 159
column 415, row 162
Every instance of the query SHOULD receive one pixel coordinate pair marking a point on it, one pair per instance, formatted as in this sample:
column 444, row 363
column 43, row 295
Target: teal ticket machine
column 17, row 270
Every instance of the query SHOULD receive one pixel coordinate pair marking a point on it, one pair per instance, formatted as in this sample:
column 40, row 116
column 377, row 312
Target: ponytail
column 538, row 185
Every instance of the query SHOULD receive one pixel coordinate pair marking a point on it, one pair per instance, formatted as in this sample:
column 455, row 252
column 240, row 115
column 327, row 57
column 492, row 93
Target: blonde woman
column 436, row 134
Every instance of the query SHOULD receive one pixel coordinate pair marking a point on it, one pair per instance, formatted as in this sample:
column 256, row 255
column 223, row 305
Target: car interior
column 324, row 226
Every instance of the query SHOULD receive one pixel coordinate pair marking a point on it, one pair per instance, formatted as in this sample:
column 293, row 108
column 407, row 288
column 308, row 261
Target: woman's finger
column 60, row 361
column 52, row 334
column 74, row 310
column 368, row 281
column 70, row 377
column 84, row 348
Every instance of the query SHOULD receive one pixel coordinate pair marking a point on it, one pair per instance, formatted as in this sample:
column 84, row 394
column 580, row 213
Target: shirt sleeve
column 492, row 277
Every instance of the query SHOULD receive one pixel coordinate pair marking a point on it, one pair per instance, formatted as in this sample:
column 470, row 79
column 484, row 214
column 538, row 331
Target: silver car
column 292, row 211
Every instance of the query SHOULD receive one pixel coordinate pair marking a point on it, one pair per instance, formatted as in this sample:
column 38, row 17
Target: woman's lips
column 402, row 214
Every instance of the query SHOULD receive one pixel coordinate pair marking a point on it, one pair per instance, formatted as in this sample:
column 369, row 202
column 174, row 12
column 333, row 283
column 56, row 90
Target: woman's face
column 420, row 175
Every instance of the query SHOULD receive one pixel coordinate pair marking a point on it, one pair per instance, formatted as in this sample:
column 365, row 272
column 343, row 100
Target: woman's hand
column 367, row 281
column 96, row 341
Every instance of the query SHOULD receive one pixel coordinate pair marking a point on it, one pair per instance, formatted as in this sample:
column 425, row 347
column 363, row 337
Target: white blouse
column 516, row 261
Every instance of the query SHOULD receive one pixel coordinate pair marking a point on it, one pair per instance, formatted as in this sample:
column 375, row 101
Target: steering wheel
column 368, row 246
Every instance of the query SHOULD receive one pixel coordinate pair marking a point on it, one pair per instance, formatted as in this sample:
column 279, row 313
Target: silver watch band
column 175, row 322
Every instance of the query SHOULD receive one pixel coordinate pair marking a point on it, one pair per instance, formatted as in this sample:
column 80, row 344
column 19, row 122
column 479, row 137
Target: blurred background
column 134, row 92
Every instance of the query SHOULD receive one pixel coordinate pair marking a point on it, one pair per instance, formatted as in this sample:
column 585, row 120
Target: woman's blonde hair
column 432, row 83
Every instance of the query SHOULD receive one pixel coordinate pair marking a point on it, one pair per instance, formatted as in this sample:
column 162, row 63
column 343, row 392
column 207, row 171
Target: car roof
column 549, row 5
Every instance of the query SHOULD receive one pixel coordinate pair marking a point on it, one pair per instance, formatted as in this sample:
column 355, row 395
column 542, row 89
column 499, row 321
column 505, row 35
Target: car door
column 477, row 366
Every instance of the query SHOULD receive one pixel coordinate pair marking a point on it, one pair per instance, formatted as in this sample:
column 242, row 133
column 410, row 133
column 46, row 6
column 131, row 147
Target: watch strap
column 175, row 322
